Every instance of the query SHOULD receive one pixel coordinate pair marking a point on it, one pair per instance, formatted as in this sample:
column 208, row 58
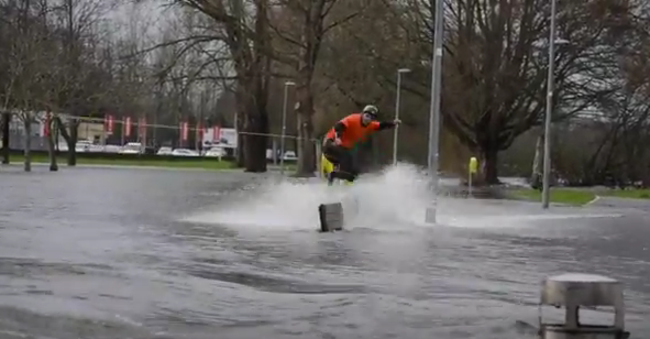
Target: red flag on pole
column 216, row 131
column 142, row 130
column 108, row 123
column 142, row 124
column 184, row 131
column 127, row 127
column 45, row 125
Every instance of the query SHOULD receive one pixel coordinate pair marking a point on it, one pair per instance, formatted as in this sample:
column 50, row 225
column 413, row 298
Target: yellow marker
column 326, row 167
column 473, row 165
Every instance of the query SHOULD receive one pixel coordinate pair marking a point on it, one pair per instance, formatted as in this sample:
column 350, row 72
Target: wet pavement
column 110, row 253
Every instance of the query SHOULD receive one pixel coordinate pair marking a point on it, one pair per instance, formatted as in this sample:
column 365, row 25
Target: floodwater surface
column 135, row 253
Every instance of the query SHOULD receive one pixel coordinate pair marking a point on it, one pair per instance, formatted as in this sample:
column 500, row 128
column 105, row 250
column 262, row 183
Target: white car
column 83, row 146
column 164, row 151
column 290, row 156
column 112, row 149
column 62, row 146
column 131, row 148
column 184, row 152
column 215, row 152
column 96, row 148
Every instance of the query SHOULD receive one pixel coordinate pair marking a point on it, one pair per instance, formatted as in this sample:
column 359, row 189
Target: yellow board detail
column 326, row 167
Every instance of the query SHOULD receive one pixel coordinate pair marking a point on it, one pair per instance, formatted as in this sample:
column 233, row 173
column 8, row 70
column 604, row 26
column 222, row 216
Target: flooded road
column 118, row 253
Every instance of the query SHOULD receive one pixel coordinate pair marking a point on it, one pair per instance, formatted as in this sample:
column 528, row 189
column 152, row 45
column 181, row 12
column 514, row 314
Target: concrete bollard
column 572, row 291
column 331, row 217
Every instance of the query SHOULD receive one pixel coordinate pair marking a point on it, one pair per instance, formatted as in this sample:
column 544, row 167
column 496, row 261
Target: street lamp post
column 434, row 115
column 549, row 110
column 284, row 124
column 397, row 107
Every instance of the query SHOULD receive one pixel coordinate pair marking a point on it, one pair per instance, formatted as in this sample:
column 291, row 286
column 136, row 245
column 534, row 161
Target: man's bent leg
column 332, row 153
column 347, row 170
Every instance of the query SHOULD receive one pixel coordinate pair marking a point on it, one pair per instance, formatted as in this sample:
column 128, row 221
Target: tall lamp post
column 434, row 115
column 550, row 84
column 284, row 124
column 397, row 108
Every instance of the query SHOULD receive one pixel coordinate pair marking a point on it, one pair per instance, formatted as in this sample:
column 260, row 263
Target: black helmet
column 372, row 110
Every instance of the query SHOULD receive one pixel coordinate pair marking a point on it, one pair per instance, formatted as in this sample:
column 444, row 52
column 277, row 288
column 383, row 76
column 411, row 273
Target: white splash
column 393, row 197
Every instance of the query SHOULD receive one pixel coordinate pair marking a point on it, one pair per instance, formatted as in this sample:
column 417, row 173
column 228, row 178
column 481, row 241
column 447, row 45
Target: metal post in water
column 397, row 108
column 284, row 124
column 434, row 116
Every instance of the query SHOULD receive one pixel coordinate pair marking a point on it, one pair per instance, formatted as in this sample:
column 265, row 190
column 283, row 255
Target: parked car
column 164, row 151
column 131, row 148
column 83, row 146
column 290, row 156
column 215, row 152
column 184, row 152
column 112, row 149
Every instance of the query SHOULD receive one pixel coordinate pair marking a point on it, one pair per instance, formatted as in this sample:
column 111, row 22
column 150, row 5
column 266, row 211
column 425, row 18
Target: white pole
column 470, row 183
column 549, row 110
column 284, row 125
column 397, row 109
column 318, row 159
column 434, row 117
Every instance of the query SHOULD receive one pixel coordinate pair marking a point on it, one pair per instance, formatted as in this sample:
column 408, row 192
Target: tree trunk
column 255, row 145
column 6, row 122
column 27, row 123
column 239, row 155
column 256, row 123
column 489, row 162
column 50, row 146
column 70, row 138
column 72, row 142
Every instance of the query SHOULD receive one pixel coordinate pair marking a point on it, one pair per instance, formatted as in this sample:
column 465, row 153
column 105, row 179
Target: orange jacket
column 352, row 131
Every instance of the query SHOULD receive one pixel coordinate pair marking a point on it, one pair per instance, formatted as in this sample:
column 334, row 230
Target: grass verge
column 208, row 164
column 180, row 163
column 574, row 197
column 642, row 193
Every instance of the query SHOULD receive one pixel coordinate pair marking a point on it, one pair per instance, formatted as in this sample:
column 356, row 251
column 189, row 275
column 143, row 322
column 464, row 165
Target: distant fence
column 109, row 131
column 134, row 157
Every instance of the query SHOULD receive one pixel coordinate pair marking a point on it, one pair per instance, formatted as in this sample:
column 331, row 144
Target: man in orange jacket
column 341, row 138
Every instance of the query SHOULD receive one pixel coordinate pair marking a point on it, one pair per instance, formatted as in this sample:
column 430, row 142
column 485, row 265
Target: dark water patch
column 21, row 323
column 276, row 285
column 23, row 267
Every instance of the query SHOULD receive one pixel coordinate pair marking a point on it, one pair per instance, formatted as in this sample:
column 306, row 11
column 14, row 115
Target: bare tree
column 245, row 33
column 302, row 25
column 77, row 20
column 27, row 66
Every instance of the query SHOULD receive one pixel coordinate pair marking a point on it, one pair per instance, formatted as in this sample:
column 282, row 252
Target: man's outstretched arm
column 385, row 124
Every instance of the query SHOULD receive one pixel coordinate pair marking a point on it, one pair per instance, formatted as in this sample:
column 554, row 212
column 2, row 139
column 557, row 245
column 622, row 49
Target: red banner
column 184, row 131
column 45, row 125
column 142, row 127
column 127, row 127
column 216, row 133
column 108, row 123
